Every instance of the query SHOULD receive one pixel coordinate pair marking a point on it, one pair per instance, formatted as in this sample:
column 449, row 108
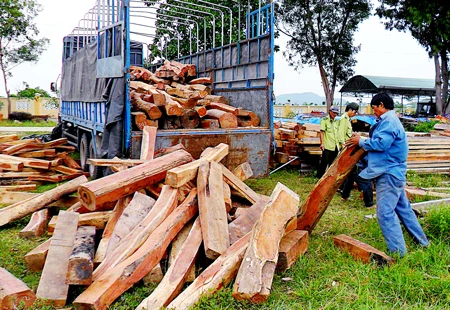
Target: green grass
column 325, row 277
column 10, row 123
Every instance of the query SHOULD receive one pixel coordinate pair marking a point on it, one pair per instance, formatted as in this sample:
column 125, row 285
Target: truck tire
column 84, row 152
column 94, row 171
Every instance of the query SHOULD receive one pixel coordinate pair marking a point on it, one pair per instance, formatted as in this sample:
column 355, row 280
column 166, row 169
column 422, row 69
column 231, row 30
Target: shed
column 394, row 85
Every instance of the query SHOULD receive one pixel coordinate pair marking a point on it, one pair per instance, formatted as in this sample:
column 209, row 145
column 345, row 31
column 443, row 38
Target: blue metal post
column 271, row 65
column 127, row 120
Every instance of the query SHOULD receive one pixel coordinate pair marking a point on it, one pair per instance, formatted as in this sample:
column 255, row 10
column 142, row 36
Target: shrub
column 20, row 116
column 437, row 222
column 425, row 126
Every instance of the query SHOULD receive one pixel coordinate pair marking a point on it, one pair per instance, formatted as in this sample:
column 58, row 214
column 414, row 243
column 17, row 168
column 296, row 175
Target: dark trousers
column 364, row 185
column 327, row 159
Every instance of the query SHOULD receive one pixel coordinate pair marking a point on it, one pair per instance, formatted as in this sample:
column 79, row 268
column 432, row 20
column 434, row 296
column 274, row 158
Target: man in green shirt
column 345, row 126
column 328, row 142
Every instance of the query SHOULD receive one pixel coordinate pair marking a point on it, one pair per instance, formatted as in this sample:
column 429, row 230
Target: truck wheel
column 94, row 171
column 84, row 152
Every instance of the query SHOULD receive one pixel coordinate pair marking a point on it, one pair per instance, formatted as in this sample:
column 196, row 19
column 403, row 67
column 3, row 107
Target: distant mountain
column 300, row 98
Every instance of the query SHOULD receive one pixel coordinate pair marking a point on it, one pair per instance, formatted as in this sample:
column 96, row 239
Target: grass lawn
column 10, row 123
column 325, row 277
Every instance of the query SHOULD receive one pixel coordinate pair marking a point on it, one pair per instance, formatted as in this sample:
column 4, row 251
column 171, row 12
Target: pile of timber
column 26, row 163
column 442, row 129
column 171, row 99
column 295, row 139
column 166, row 211
column 429, row 154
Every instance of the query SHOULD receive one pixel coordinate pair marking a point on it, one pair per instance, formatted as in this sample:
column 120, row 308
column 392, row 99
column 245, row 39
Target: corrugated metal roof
column 393, row 85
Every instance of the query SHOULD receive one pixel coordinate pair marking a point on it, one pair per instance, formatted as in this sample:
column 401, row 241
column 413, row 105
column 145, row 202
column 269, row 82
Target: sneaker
column 372, row 206
column 370, row 216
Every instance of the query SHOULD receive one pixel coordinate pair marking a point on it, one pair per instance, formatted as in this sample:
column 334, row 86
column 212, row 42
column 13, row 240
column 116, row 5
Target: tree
column 429, row 24
column 180, row 23
column 29, row 92
column 321, row 34
column 18, row 41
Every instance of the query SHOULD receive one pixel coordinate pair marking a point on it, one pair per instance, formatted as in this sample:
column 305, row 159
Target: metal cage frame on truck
column 241, row 71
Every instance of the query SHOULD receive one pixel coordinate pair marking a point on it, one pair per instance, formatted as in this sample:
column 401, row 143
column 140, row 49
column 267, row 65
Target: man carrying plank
column 388, row 149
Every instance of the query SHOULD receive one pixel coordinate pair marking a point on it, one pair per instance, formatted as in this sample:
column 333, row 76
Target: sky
column 383, row 53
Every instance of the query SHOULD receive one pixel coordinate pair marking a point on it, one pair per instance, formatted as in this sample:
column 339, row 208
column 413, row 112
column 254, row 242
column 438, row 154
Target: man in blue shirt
column 387, row 149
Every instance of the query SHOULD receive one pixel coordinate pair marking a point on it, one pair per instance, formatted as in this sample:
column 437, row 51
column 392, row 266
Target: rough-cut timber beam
column 102, row 292
column 320, row 197
column 21, row 209
column 97, row 219
column 36, row 226
column 81, row 261
column 177, row 273
column 362, row 251
column 211, row 206
column 35, row 259
column 13, row 292
column 165, row 204
column 291, row 247
column 120, row 184
column 238, row 185
column 254, row 279
column 219, row 274
column 53, row 287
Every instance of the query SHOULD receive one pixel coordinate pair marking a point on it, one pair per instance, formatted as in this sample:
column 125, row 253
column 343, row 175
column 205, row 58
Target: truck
column 95, row 110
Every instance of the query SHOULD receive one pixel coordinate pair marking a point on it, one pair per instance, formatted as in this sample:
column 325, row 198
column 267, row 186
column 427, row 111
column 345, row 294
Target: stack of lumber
column 25, row 163
column 294, row 139
column 429, row 154
column 171, row 99
column 196, row 214
column 442, row 129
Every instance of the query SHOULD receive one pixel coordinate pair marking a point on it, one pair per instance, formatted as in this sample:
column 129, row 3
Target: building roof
column 393, row 85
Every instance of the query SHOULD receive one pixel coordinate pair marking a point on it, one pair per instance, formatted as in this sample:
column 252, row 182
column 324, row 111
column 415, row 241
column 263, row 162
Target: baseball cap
column 334, row 109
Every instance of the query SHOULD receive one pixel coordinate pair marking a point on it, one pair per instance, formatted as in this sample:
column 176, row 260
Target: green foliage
column 425, row 126
column 29, row 92
column 321, row 34
column 18, row 34
column 178, row 19
column 20, row 116
column 11, row 123
column 438, row 222
column 291, row 114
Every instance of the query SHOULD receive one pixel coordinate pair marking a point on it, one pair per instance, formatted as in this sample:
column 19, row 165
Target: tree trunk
column 326, row 86
column 81, row 261
column 438, row 81
column 444, row 75
column 14, row 294
column 5, row 81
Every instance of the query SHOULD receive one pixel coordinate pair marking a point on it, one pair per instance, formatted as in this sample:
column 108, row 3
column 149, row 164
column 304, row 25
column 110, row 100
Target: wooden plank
column 318, row 200
column 212, row 210
column 177, row 244
column 238, row 185
column 361, row 251
column 14, row 293
column 139, row 233
column 412, row 192
column 136, row 211
column 246, row 219
column 69, row 161
column 102, row 292
column 12, row 188
column 28, row 162
column 178, row 272
column 291, row 247
column 21, row 209
column 52, row 286
column 10, row 197
column 243, row 171
column 114, row 161
column 38, row 154
column 179, row 176
column 121, row 204
column 11, row 165
column 254, row 279
column 68, row 170
column 96, row 219
column 35, row 259
column 8, row 138
column 423, row 207
column 219, row 274
column 37, row 225
column 81, row 261
column 148, row 143
column 168, row 150
column 120, row 184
